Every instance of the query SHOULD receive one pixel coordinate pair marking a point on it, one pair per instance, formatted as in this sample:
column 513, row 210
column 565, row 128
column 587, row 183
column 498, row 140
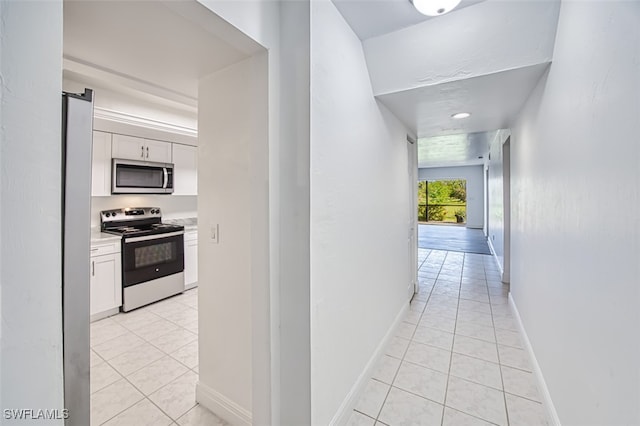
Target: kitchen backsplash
column 173, row 206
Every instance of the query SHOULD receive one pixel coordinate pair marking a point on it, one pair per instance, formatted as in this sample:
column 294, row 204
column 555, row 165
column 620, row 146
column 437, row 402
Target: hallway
column 458, row 358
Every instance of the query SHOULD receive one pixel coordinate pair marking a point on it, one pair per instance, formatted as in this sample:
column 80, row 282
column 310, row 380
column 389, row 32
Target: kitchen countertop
column 98, row 237
column 189, row 223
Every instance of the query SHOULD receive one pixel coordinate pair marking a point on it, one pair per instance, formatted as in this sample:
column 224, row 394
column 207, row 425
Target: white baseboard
column 552, row 414
column 222, row 406
column 105, row 314
column 495, row 256
column 344, row 412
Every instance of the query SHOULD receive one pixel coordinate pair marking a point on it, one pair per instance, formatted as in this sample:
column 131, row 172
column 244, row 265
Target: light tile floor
column 144, row 366
column 458, row 358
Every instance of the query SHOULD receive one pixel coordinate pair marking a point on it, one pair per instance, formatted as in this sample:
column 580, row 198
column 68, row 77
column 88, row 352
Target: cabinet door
column 185, row 171
column 157, row 151
column 190, row 263
column 101, row 164
column 128, row 147
column 106, row 283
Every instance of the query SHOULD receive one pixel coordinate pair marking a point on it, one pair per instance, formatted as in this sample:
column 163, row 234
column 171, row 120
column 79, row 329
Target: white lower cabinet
column 106, row 280
column 190, row 259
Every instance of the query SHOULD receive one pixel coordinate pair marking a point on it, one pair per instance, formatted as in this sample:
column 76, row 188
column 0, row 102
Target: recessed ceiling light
column 434, row 7
column 460, row 115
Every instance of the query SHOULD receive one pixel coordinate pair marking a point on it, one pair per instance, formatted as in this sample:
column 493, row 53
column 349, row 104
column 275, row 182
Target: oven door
column 151, row 256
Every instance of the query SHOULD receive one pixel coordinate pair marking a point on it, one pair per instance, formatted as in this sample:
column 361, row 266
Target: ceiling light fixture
column 434, row 7
column 460, row 115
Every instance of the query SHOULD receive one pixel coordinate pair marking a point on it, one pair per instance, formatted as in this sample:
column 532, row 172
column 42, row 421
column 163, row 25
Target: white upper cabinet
column 185, row 171
column 157, row 151
column 101, row 164
column 129, row 147
column 134, row 148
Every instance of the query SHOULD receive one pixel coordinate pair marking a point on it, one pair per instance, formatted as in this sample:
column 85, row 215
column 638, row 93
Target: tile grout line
column 467, row 380
column 504, row 394
column 126, row 378
column 446, row 389
column 144, row 394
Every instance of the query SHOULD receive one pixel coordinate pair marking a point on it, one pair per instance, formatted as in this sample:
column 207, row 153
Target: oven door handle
column 152, row 237
column 166, row 178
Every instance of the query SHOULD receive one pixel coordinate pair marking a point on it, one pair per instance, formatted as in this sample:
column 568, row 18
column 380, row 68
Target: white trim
column 495, row 256
column 222, row 406
column 547, row 402
column 105, row 314
column 134, row 120
column 344, row 412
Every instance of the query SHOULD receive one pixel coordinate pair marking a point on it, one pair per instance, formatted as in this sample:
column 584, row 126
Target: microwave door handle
column 166, row 178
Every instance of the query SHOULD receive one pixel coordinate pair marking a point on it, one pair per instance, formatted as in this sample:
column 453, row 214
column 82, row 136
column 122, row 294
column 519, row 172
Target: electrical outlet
column 215, row 233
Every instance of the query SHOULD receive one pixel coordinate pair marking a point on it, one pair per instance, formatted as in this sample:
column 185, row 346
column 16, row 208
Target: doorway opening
column 442, row 202
column 149, row 92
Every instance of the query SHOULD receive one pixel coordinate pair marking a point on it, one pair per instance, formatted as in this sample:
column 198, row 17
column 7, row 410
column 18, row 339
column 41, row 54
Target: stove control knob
column 107, row 214
column 114, row 213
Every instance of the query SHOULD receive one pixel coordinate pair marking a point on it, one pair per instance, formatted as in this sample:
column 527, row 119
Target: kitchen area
column 147, row 64
column 144, row 244
column 143, row 273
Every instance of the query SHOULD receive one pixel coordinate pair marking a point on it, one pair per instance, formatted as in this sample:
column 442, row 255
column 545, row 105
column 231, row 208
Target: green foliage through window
column 442, row 201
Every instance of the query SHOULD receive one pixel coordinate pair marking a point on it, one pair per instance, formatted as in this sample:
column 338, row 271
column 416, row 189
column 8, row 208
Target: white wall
column 30, row 213
column 360, row 210
column 282, row 28
column 495, row 191
column 475, row 188
column 225, row 267
column 575, row 229
column 447, row 47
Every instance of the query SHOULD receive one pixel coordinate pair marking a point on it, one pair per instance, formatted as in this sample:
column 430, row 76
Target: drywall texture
column 475, row 188
column 360, row 211
column 575, row 208
column 446, row 48
column 495, row 194
column 30, row 212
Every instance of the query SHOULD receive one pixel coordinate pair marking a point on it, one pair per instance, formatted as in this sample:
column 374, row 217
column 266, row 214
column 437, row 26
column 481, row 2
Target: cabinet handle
column 147, row 152
column 93, row 268
column 142, row 153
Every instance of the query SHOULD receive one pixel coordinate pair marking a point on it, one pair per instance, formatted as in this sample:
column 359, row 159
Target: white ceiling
column 454, row 150
column 484, row 59
column 493, row 100
column 151, row 44
column 371, row 18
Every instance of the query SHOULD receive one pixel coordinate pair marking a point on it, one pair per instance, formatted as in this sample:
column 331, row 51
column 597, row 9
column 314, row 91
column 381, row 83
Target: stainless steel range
column 152, row 254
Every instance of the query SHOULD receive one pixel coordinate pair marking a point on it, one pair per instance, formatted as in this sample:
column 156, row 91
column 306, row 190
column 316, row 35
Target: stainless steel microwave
column 141, row 177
